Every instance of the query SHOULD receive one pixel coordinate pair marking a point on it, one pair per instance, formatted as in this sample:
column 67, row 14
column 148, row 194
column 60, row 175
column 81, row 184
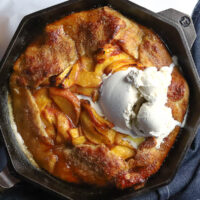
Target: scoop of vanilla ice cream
column 117, row 100
column 155, row 119
column 151, row 83
column 120, row 100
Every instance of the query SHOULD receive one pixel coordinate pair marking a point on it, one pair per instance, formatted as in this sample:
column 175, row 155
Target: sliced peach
column 82, row 90
column 136, row 140
column 63, row 125
column 80, row 131
column 88, row 79
column 67, row 102
column 108, row 50
column 49, row 119
column 74, row 132
column 71, row 78
column 123, row 152
column 118, row 64
column 101, row 126
column 108, row 133
column 59, row 79
column 87, row 63
column 89, row 131
column 56, row 120
column 124, row 140
column 99, row 68
column 51, row 131
column 119, row 140
column 95, row 95
column 86, row 91
column 48, row 116
column 41, row 98
column 97, row 120
column 78, row 140
column 108, row 55
column 124, row 68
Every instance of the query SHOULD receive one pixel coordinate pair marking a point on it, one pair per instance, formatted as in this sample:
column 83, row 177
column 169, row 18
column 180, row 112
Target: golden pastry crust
column 65, row 136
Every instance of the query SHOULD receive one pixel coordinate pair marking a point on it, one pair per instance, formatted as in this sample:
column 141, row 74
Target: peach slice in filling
column 67, row 102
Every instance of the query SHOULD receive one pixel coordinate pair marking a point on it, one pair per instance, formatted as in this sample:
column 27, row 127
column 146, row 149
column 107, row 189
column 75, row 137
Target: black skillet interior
column 33, row 25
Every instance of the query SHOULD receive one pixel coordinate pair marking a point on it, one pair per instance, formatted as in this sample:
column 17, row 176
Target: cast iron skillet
column 177, row 31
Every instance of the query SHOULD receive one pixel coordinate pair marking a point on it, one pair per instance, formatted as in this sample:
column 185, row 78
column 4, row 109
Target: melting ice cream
column 135, row 101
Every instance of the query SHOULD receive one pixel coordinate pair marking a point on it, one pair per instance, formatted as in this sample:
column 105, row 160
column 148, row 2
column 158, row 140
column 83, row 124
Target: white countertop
column 12, row 11
column 185, row 6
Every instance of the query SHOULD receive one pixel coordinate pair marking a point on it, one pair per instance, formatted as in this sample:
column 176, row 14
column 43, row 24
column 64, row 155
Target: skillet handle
column 7, row 180
column 183, row 21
